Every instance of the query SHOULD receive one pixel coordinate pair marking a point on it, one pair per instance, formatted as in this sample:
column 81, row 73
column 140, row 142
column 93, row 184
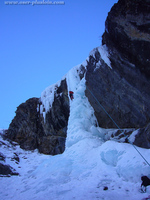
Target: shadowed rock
column 31, row 131
column 123, row 90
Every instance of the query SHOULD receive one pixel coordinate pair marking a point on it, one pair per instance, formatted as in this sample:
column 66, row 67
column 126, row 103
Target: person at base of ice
column 71, row 95
column 145, row 183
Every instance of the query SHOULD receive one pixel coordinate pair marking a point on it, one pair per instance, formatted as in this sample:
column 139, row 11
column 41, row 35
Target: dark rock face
column 128, row 29
column 2, row 157
column 142, row 139
column 24, row 127
column 29, row 129
column 56, row 121
column 123, row 90
column 7, row 170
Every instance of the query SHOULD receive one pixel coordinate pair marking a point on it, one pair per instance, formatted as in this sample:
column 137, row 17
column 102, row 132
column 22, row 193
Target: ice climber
column 71, row 95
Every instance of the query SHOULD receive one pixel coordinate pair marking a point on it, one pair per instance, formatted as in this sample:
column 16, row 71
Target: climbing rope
column 117, row 125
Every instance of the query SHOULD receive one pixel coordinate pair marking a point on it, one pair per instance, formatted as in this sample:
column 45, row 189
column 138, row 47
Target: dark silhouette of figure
column 145, row 183
column 71, row 95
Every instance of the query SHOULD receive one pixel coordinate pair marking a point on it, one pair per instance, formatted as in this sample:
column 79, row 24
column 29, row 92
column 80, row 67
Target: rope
column 117, row 126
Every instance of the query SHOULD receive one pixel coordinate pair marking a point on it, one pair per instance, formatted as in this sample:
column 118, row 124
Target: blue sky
column 39, row 44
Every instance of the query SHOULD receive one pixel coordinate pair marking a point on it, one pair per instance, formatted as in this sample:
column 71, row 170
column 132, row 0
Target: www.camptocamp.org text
column 34, row 2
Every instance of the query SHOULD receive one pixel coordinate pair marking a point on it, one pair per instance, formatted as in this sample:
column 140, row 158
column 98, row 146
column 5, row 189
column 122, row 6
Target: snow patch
column 73, row 79
column 111, row 157
column 47, row 98
column 97, row 66
column 131, row 138
column 104, row 54
column 84, row 63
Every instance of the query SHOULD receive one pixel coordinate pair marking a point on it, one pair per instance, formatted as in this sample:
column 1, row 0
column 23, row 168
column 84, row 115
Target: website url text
column 34, row 2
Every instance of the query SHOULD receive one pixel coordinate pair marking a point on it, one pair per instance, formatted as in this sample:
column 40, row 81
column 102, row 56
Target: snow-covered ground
column 88, row 165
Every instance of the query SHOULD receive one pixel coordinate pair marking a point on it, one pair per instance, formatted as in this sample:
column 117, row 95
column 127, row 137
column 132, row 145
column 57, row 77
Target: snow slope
column 88, row 164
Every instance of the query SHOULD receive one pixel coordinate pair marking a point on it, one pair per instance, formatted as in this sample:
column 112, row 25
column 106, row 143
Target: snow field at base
column 88, row 164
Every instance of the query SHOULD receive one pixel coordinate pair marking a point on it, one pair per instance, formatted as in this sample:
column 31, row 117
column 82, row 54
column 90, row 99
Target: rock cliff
column 117, row 74
column 123, row 89
column 31, row 129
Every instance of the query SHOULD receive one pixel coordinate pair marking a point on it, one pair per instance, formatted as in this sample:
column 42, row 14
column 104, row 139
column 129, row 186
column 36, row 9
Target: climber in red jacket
column 71, row 95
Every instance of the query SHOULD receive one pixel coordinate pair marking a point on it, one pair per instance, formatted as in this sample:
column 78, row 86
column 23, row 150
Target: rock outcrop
column 6, row 170
column 24, row 128
column 32, row 130
column 128, row 28
column 142, row 138
column 123, row 89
